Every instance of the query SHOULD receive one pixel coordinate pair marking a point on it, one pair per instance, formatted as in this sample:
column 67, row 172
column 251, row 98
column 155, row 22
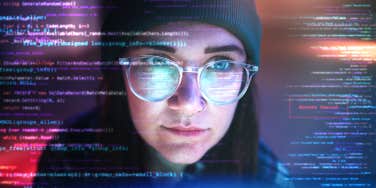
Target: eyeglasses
column 154, row 78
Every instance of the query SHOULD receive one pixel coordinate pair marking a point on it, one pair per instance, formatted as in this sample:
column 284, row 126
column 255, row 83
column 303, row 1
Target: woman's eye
column 221, row 66
column 155, row 60
column 222, row 63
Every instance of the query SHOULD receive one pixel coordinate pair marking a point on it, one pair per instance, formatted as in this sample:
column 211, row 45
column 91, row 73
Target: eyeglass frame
column 251, row 70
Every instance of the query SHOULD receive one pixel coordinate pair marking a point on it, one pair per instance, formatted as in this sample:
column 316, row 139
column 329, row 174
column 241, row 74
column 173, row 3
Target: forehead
column 195, row 34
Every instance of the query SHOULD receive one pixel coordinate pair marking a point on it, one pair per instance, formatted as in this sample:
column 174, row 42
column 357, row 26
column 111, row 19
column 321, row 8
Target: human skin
column 185, row 126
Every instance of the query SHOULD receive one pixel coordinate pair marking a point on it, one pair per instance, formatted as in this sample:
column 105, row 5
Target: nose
column 188, row 99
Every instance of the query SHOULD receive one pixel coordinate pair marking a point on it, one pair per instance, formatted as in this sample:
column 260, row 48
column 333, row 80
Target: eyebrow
column 161, row 48
column 211, row 49
column 226, row 48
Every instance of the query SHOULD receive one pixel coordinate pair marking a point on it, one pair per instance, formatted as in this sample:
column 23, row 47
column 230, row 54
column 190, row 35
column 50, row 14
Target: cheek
column 140, row 110
column 144, row 115
column 222, row 117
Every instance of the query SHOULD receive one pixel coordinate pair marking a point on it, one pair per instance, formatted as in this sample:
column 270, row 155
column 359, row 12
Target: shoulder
column 270, row 169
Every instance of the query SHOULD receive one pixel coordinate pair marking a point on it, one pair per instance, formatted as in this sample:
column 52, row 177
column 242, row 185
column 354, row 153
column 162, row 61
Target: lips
column 190, row 131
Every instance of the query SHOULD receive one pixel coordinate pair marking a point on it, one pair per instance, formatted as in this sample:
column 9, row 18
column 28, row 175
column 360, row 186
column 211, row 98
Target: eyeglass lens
column 156, row 79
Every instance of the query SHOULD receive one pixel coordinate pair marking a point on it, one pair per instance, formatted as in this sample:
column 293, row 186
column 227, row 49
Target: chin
column 183, row 153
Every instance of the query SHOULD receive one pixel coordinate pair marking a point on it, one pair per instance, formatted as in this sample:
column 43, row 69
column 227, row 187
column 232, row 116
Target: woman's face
column 185, row 126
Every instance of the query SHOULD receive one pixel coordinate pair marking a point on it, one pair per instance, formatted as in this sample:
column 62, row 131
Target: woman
column 189, row 111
